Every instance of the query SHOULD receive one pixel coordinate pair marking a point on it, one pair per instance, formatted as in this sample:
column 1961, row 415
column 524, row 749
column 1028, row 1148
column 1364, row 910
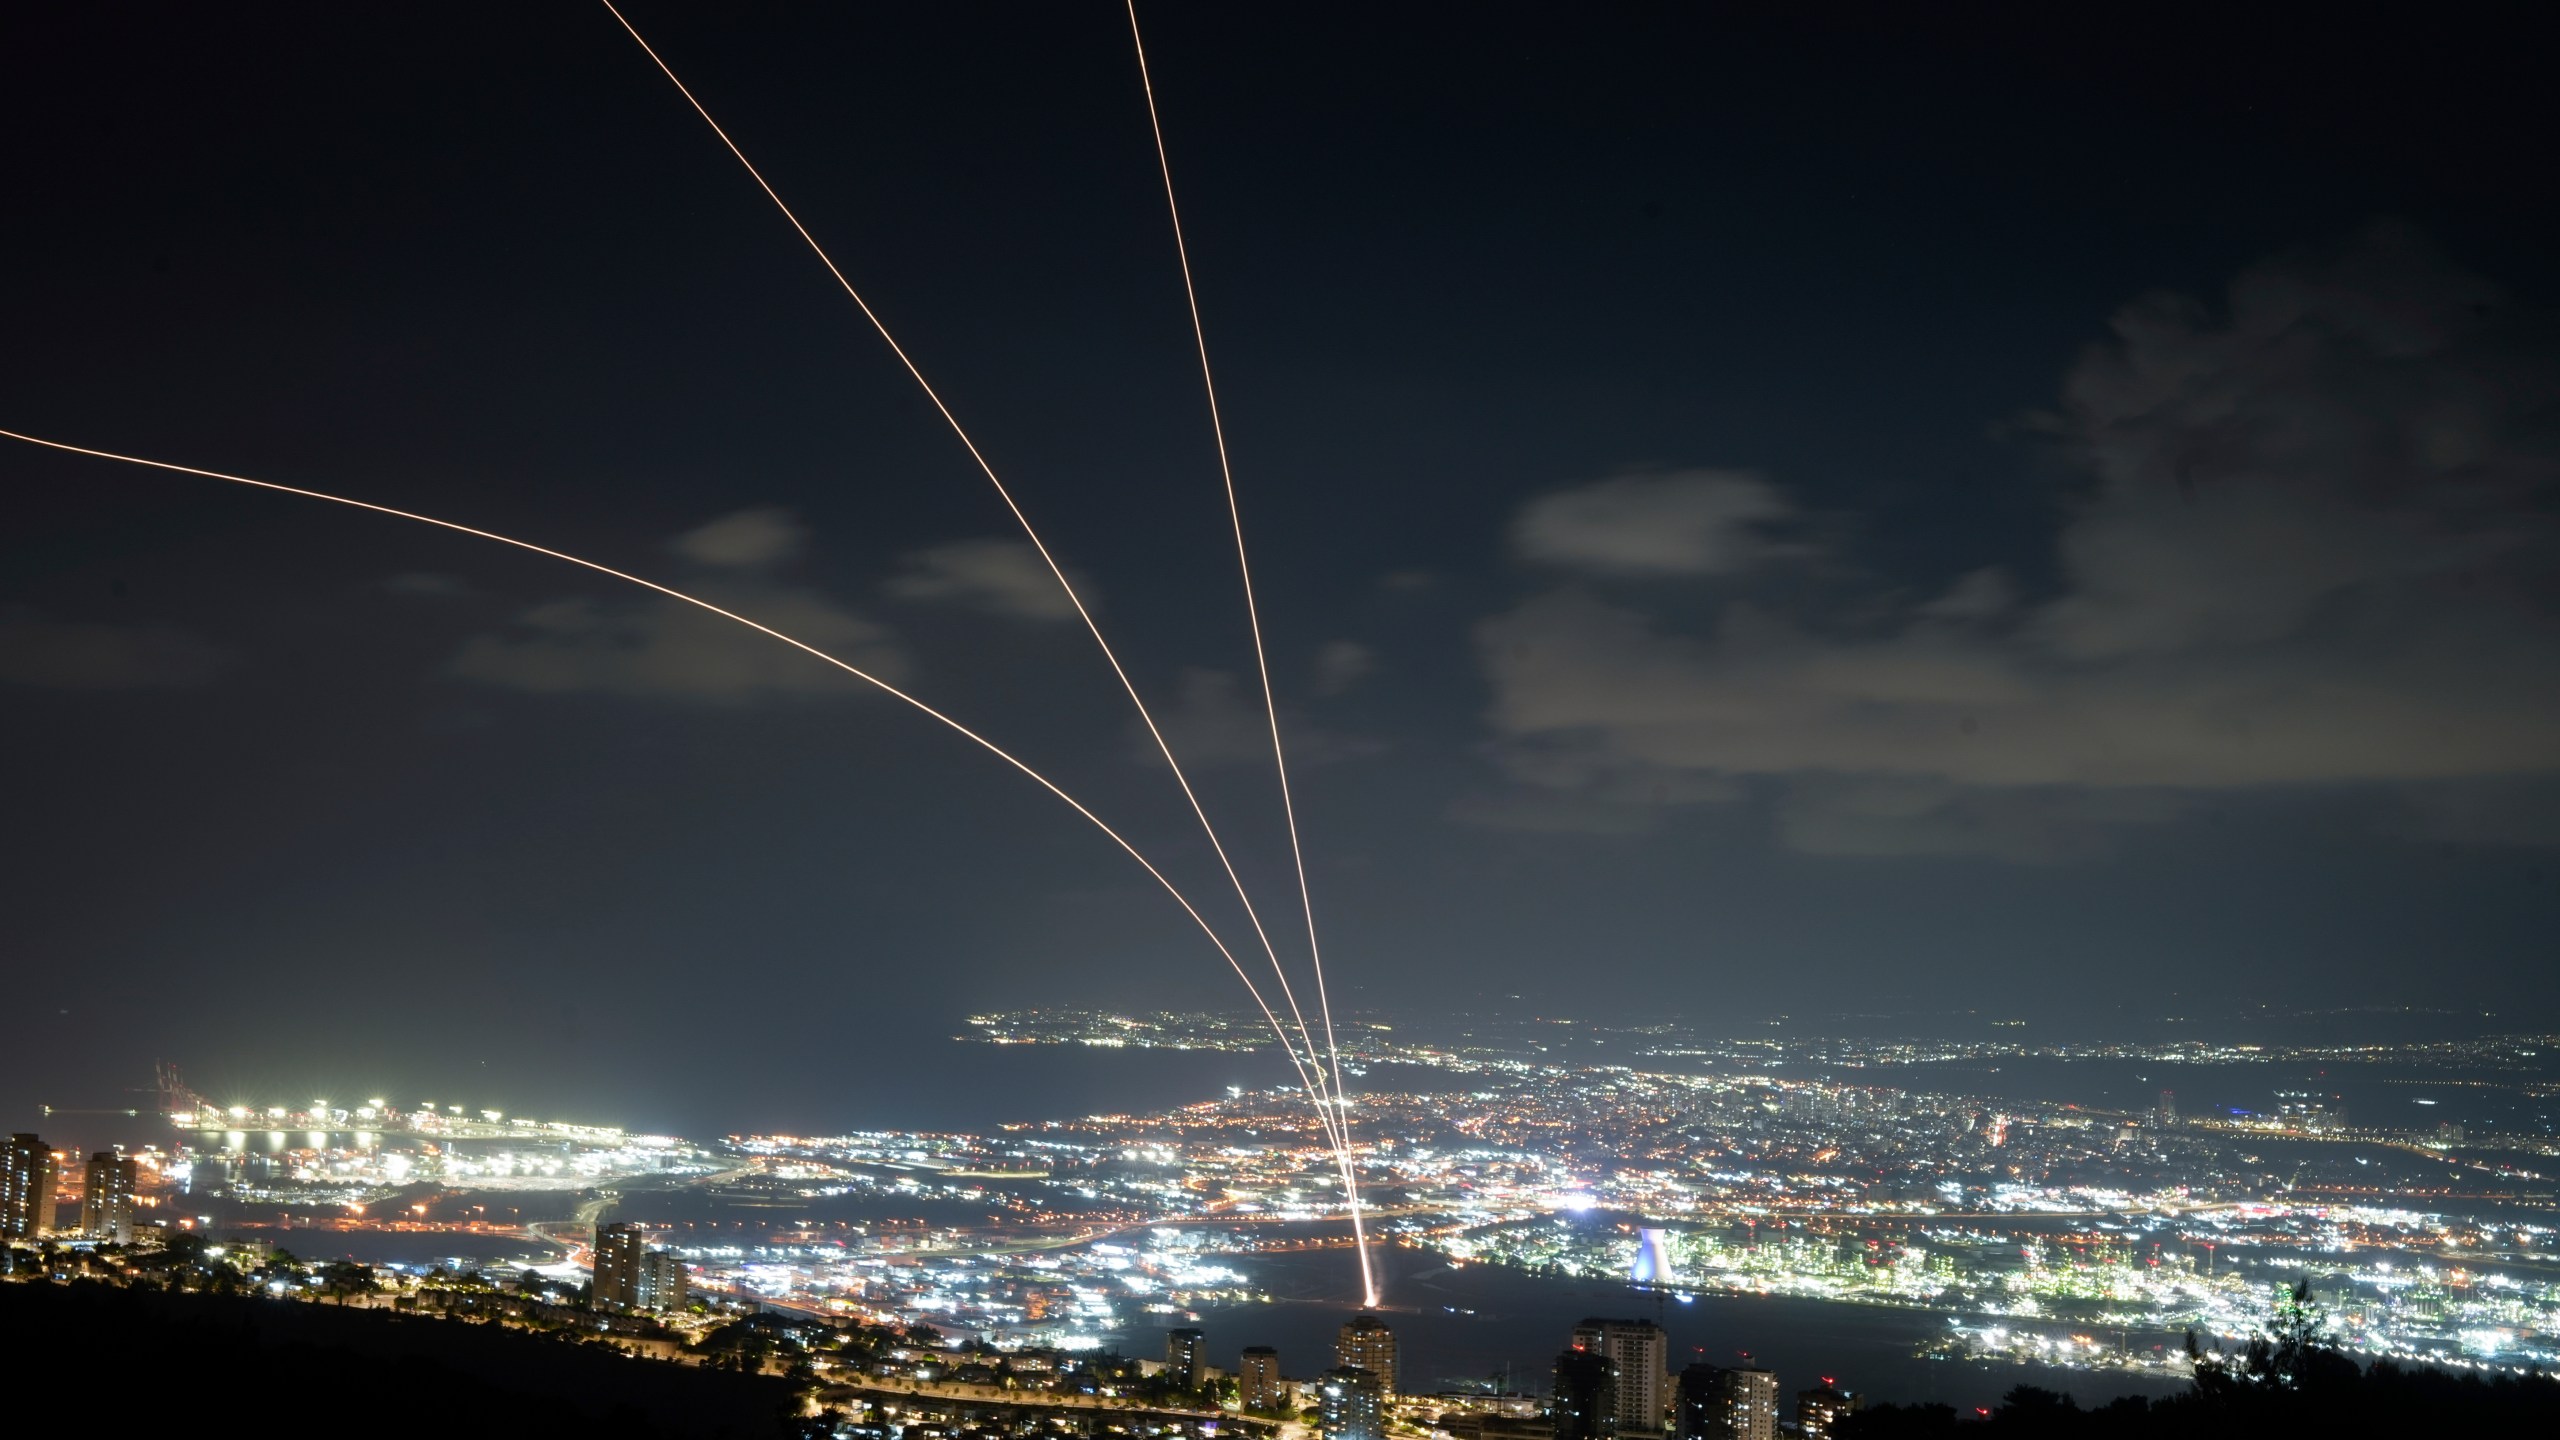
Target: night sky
column 1754, row 518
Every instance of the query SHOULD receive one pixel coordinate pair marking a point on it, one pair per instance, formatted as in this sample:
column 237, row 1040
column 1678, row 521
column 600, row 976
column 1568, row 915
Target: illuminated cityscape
column 2050, row 1237
column 1136, row 722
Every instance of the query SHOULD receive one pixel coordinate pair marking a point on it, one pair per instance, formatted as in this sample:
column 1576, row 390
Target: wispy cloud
column 1215, row 720
column 758, row 538
column 1342, row 664
column 663, row 648
column 1000, row 577
column 1688, row 522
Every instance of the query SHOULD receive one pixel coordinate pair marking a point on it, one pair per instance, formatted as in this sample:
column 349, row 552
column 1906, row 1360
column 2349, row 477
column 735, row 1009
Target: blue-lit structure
column 1653, row 1258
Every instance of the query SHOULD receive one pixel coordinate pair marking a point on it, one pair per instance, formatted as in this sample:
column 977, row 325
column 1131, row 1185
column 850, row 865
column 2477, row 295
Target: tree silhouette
column 342, row 1278
column 2291, row 1352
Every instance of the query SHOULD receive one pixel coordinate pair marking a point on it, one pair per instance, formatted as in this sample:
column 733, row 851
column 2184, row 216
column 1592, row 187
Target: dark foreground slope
column 2344, row 1400
column 131, row 1359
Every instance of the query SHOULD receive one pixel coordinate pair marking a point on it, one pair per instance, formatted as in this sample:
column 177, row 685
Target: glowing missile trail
column 1309, row 1083
column 1327, row 1113
column 1261, row 660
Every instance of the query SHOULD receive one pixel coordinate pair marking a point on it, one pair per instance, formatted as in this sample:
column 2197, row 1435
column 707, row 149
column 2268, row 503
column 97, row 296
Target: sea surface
column 1465, row 1326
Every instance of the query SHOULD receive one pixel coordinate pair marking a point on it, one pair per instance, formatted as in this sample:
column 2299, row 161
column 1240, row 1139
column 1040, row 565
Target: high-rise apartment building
column 1720, row 1404
column 106, row 1197
column 1258, row 1379
column 664, row 1282
column 1367, row 1344
column 620, row 1247
column 1351, row 1404
column 2168, row 1112
column 1751, row 1405
column 1820, row 1410
column 1585, row 1403
column 1642, row 1355
column 1697, row 1408
column 1182, row 1355
column 26, row 1188
column 631, row 1276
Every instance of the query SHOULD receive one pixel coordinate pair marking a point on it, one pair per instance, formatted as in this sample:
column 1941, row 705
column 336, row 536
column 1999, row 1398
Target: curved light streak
column 1327, row 1113
column 1310, row 1083
column 1261, row 659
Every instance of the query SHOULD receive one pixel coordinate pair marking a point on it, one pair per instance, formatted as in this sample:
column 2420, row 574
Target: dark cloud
column 2349, row 429
column 1000, row 577
column 1892, row 816
column 2307, row 550
column 1569, row 786
column 1553, row 812
column 665, row 648
column 38, row 651
column 2506, row 811
column 1986, row 594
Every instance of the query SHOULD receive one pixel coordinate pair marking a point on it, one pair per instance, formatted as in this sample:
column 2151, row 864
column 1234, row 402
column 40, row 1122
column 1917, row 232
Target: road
column 958, row 1394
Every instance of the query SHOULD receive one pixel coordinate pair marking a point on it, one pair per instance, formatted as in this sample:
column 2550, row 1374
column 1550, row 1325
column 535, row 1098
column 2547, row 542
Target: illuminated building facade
column 1351, row 1404
column 631, row 1276
column 619, row 1251
column 1258, row 1379
column 26, row 1188
column 106, row 1197
column 1751, row 1404
column 1641, row 1354
column 1720, row 1404
column 1366, row 1343
column 1585, row 1404
column 2306, row 1111
column 1182, row 1355
column 664, row 1285
column 1820, row 1410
